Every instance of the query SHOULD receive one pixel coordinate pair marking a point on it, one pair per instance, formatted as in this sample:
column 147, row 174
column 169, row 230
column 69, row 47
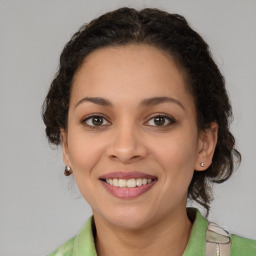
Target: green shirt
column 83, row 243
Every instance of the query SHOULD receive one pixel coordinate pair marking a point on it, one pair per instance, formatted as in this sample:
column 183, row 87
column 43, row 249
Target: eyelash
column 94, row 116
column 170, row 120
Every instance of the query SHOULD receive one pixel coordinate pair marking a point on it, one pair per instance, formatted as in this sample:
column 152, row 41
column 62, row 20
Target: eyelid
column 171, row 119
column 86, row 118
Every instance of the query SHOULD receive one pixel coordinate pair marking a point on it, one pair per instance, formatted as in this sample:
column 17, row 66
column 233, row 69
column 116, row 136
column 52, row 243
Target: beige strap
column 218, row 241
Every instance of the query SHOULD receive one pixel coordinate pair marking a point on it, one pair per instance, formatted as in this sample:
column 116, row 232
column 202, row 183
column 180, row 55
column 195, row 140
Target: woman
column 142, row 114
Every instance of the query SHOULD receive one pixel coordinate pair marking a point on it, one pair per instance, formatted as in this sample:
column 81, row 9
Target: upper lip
column 126, row 175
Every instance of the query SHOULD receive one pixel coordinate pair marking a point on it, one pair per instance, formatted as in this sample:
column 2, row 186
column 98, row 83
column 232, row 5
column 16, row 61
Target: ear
column 206, row 146
column 64, row 144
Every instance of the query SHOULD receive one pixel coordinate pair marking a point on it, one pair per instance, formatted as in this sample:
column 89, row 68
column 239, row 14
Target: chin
column 132, row 219
column 130, row 222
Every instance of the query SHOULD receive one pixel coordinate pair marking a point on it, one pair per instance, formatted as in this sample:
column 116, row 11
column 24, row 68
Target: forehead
column 131, row 70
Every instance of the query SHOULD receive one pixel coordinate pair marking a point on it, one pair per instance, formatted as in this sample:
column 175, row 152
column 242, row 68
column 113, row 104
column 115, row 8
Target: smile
column 130, row 183
column 127, row 185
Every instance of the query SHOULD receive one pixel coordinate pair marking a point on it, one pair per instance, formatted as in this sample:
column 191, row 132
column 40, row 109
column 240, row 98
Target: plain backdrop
column 40, row 208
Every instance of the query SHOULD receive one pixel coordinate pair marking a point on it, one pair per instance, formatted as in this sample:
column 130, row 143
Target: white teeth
column 130, row 183
column 139, row 182
column 115, row 182
column 122, row 183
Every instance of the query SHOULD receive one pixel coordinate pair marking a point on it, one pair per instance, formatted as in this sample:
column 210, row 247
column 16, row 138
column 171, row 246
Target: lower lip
column 128, row 193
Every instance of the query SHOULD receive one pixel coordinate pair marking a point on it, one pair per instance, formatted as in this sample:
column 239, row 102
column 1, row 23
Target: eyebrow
column 158, row 100
column 95, row 100
column 146, row 102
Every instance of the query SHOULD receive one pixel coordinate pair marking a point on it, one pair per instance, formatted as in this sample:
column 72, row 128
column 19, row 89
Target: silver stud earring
column 202, row 164
column 67, row 171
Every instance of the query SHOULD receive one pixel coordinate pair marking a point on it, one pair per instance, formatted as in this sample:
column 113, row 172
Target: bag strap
column 218, row 241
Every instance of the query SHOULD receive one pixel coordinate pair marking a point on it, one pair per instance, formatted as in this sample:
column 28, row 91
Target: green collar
column 197, row 240
column 84, row 242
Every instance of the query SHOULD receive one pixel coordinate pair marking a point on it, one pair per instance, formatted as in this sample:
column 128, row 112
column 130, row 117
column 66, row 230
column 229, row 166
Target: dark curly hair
column 171, row 33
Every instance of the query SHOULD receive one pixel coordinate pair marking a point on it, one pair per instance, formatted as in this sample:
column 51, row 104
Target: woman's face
column 132, row 139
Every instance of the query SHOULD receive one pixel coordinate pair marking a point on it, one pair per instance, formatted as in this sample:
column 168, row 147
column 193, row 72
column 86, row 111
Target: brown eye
column 161, row 121
column 95, row 121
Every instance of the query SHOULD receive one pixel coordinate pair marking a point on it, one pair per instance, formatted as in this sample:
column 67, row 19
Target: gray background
column 40, row 208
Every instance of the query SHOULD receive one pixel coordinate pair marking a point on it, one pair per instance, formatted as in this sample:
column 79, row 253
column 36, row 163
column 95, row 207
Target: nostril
column 126, row 153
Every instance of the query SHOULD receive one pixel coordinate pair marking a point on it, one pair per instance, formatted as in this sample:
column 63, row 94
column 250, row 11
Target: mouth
column 127, row 185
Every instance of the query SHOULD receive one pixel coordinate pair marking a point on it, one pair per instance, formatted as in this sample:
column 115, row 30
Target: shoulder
column 219, row 240
column 65, row 249
column 242, row 246
column 80, row 245
column 211, row 238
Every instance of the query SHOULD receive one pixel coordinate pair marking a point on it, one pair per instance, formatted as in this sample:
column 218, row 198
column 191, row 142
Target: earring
column 67, row 171
column 202, row 164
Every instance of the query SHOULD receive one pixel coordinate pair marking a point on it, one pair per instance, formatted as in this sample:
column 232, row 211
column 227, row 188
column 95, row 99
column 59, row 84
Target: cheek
column 178, row 158
column 84, row 152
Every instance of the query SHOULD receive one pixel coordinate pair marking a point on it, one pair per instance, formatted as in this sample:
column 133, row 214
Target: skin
column 130, row 139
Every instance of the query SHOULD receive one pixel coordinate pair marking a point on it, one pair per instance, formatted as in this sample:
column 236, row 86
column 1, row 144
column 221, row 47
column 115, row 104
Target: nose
column 127, row 145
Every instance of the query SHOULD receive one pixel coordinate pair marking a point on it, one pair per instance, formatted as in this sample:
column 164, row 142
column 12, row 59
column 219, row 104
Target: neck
column 166, row 237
